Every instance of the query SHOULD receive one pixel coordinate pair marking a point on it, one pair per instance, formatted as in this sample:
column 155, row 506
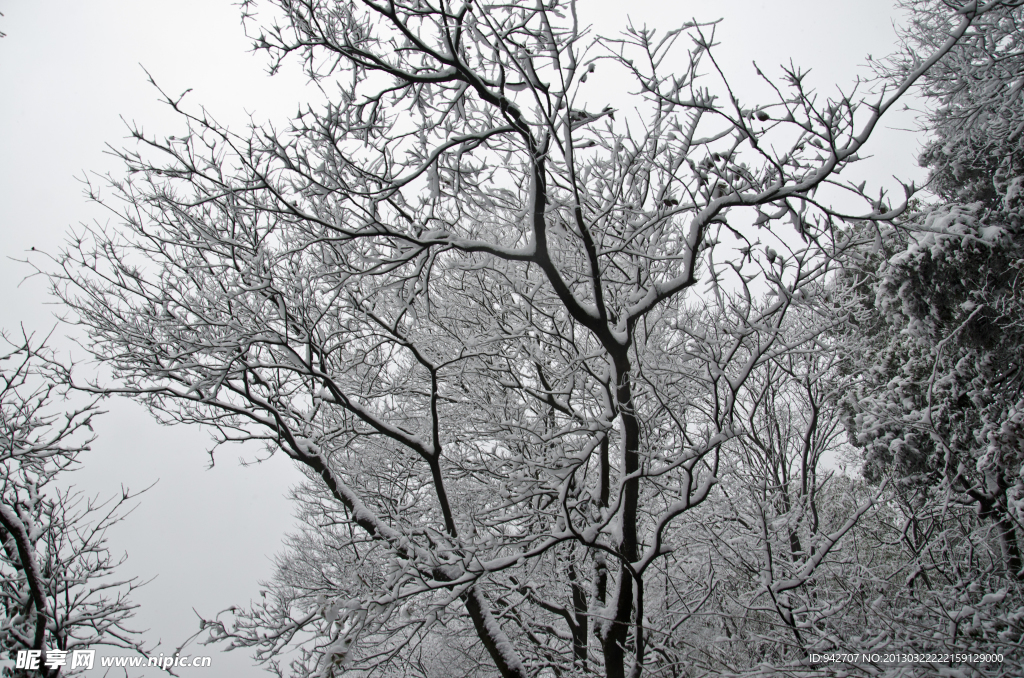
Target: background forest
column 648, row 386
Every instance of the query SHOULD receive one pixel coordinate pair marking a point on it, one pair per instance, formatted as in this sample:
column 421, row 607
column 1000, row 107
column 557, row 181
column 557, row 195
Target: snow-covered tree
column 756, row 583
column 471, row 310
column 58, row 585
column 940, row 318
column 942, row 289
column 975, row 114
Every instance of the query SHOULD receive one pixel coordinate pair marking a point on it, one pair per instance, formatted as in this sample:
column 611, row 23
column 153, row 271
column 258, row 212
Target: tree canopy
column 550, row 372
column 59, row 590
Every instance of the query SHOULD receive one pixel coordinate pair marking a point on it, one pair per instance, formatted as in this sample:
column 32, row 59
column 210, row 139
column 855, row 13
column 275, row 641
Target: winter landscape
column 555, row 339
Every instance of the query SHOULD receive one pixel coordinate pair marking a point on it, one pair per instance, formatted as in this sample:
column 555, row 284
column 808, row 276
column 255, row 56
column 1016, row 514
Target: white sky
column 69, row 70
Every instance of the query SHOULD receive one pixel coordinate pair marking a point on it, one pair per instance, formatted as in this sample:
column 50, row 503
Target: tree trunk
column 616, row 632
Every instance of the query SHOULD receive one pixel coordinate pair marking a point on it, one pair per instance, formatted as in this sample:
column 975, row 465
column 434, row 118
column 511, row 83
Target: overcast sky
column 70, row 70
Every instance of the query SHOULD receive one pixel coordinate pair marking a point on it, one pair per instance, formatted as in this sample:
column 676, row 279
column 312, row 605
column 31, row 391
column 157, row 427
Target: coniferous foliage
column 940, row 316
column 946, row 286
